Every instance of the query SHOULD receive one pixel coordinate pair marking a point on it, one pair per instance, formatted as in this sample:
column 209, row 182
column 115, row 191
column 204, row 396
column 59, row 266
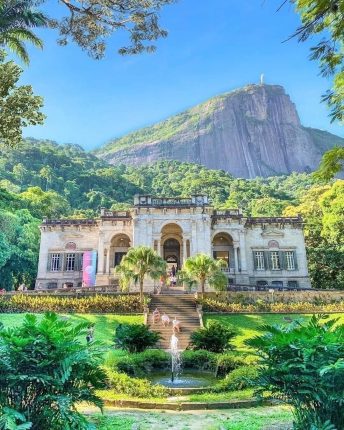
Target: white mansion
column 259, row 251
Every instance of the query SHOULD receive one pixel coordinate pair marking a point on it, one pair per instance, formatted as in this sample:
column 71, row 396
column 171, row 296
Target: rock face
column 253, row 131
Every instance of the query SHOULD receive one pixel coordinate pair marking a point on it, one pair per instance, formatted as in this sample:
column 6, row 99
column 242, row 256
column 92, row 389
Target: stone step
column 181, row 306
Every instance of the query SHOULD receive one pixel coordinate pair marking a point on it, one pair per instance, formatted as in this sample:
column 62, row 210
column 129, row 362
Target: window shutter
column 80, row 261
column 254, row 260
column 267, row 260
column 282, row 259
column 49, row 263
column 295, row 260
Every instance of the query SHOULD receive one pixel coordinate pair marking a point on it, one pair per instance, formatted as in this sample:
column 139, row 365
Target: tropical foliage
column 202, row 268
column 135, row 337
column 19, row 107
column 45, row 369
column 323, row 20
column 137, row 264
column 19, row 245
column 303, row 364
column 17, row 18
column 93, row 304
column 215, row 337
column 322, row 208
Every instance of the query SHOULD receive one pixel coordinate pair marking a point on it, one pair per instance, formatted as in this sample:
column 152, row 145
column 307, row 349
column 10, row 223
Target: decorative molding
column 272, row 233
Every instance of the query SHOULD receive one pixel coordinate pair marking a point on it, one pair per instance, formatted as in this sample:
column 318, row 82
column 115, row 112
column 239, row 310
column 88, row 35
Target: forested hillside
column 42, row 178
column 64, row 180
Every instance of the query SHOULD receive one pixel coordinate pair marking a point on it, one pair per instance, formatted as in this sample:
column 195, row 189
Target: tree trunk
column 141, row 291
column 202, row 286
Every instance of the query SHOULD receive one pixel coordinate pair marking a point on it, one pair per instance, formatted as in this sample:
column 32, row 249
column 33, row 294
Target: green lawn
column 247, row 325
column 261, row 418
column 105, row 324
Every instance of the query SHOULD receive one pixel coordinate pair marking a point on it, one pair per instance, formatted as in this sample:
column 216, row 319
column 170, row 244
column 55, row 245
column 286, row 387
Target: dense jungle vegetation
column 42, row 178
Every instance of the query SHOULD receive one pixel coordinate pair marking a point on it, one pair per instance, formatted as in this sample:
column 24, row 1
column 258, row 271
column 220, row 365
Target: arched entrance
column 223, row 249
column 172, row 253
column 171, row 239
column 120, row 245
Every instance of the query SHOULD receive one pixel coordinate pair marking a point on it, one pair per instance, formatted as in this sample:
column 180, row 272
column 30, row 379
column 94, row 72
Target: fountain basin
column 189, row 381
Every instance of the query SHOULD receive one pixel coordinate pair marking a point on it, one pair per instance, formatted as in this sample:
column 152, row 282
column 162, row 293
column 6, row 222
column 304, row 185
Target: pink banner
column 89, row 266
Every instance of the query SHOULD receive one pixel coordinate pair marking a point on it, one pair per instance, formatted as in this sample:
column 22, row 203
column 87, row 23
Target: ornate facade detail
column 177, row 228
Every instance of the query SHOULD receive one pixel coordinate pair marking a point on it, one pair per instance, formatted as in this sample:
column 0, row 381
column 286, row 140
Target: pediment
column 70, row 236
column 272, row 233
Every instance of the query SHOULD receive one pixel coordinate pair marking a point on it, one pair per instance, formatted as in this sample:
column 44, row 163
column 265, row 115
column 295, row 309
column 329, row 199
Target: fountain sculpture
column 176, row 362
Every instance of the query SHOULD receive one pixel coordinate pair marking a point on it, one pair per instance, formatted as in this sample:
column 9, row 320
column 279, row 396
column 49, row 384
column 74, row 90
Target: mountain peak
column 250, row 131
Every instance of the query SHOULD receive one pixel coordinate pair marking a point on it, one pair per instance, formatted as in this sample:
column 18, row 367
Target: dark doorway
column 118, row 258
column 172, row 253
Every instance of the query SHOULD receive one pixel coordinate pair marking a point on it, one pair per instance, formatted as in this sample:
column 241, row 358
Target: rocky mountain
column 249, row 132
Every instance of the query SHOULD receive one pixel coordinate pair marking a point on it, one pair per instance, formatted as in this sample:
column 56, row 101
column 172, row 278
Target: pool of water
column 187, row 379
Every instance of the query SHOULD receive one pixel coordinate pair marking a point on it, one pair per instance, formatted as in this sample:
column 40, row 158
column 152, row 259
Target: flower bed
column 95, row 304
column 212, row 305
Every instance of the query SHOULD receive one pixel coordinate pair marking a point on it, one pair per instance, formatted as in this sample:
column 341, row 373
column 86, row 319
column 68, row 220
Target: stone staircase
column 182, row 306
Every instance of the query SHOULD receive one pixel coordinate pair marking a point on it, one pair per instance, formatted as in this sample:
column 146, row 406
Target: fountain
column 176, row 361
column 192, row 380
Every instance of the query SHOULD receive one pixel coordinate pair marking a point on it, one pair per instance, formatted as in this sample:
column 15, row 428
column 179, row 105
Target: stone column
column 158, row 249
column 236, row 263
column 243, row 253
column 184, row 250
column 108, row 261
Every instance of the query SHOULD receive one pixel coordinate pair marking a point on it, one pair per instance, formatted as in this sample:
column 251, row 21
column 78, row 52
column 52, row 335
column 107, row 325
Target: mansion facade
column 258, row 250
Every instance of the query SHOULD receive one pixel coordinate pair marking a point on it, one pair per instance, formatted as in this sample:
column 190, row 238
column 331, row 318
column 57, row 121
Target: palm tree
column 138, row 263
column 17, row 17
column 203, row 268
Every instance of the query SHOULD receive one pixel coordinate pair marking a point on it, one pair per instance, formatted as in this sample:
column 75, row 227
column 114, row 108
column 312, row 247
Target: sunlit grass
column 259, row 418
column 105, row 324
column 248, row 325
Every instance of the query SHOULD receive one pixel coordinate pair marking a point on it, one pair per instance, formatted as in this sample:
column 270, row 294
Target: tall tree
column 19, row 107
column 89, row 22
column 332, row 163
column 325, row 18
column 203, row 268
column 139, row 263
column 17, row 18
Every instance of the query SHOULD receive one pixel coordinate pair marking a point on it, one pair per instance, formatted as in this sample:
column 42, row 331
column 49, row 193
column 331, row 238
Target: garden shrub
column 303, row 364
column 239, row 379
column 135, row 337
column 44, row 370
column 215, row 337
column 93, row 304
column 136, row 387
column 199, row 359
column 235, row 306
column 226, row 363
column 142, row 363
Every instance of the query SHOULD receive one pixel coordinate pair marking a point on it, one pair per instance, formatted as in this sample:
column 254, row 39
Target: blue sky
column 213, row 46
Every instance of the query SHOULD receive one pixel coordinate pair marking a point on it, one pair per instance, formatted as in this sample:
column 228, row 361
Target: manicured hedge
column 121, row 383
column 141, row 364
column 95, row 304
column 212, row 305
